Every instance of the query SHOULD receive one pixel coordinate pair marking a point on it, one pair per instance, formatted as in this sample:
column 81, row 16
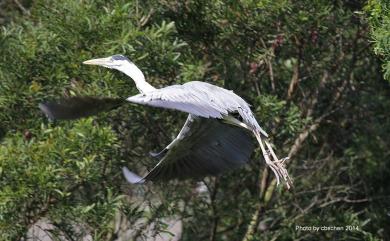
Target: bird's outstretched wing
column 199, row 99
column 78, row 107
column 203, row 147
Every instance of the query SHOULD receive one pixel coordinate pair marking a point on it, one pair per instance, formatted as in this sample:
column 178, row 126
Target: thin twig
column 213, row 195
column 294, row 81
column 259, row 208
column 22, row 8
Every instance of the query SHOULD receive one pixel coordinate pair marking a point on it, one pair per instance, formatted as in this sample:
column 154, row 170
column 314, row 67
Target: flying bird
column 216, row 136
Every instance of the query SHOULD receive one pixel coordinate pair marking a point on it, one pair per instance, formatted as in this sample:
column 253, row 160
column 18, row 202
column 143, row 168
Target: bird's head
column 123, row 64
column 113, row 62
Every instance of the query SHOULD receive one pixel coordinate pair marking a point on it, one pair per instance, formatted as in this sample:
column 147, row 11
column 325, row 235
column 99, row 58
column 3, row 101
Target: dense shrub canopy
column 378, row 12
column 308, row 68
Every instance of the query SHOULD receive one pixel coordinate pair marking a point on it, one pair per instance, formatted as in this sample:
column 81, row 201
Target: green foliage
column 379, row 16
column 303, row 65
column 51, row 169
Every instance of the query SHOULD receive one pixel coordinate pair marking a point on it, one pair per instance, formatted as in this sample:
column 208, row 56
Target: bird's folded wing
column 199, row 99
column 78, row 107
column 209, row 147
column 183, row 98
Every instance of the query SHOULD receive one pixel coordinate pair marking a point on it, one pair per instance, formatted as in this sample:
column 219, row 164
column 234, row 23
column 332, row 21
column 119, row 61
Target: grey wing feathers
column 210, row 147
column 200, row 99
column 132, row 177
column 179, row 97
column 229, row 101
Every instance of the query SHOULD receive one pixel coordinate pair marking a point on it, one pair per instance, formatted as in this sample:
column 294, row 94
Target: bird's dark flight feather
column 209, row 147
column 78, row 107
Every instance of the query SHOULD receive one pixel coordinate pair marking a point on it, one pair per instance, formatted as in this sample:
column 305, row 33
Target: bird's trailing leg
column 277, row 166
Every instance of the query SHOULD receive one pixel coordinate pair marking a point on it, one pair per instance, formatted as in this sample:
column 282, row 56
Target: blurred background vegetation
column 317, row 76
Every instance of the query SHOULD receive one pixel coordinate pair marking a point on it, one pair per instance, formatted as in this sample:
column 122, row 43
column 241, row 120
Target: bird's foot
column 278, row 167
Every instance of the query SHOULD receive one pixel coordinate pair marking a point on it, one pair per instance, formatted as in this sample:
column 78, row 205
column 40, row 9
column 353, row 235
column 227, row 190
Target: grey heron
column 215, row 137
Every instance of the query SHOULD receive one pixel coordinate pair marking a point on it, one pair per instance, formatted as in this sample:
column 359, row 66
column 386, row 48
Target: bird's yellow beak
column 101, row 61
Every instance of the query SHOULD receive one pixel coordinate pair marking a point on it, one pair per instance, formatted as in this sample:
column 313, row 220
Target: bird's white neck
column 131, row 70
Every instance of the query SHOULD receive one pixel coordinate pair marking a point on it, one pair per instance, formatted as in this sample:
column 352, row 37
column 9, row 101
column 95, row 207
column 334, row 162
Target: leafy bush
column 305, row 66
column 379, row 16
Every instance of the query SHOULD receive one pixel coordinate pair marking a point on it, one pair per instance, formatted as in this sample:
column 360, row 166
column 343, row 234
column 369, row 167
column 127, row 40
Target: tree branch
column 22, row 8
